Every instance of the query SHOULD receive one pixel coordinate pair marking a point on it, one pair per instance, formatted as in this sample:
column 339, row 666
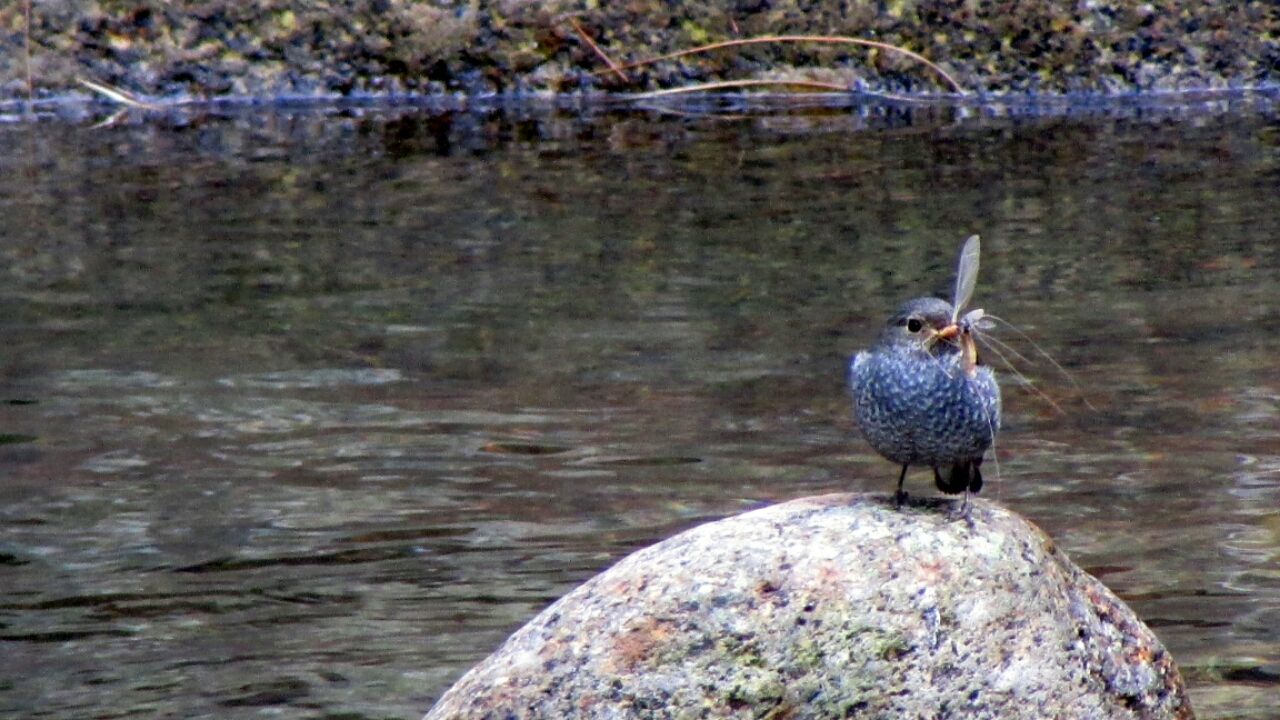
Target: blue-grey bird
column 920, row 397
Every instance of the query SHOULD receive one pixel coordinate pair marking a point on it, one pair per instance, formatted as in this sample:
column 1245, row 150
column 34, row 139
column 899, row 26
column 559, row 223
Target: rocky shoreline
column 397, row 48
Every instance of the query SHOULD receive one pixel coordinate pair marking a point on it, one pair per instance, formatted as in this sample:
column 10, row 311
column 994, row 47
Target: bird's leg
column 900, row 496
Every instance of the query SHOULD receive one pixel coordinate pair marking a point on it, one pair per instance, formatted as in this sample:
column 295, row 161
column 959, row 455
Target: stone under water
column 831, row 607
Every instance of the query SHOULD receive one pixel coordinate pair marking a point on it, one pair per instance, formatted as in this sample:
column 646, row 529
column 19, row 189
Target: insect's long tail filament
column 1003, row 346
column 1070, row 378
column 994, row 345
column 995, row 454
column 954, row 335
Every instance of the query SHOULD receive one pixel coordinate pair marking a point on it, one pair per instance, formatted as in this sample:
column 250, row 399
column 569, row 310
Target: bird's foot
column 960, row 511
column 900, row 498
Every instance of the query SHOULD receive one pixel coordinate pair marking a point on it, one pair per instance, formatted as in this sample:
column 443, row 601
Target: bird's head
column 924, row 323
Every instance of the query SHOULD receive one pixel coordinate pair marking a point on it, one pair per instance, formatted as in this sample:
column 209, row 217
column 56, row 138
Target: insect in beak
column 968, row 346
column 946, row 334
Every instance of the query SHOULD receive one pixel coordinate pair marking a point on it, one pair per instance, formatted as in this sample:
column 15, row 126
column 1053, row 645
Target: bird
column 921, row 396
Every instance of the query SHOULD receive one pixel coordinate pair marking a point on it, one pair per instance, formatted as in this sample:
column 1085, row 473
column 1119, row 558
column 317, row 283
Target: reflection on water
column 304, row 415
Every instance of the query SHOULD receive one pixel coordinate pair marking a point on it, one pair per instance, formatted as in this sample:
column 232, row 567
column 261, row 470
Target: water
column 304, row 414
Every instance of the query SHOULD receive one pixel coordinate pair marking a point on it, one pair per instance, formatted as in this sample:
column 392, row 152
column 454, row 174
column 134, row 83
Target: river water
column 304, row 413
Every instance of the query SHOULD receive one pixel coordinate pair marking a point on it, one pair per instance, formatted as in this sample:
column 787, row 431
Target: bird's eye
column 914, row 325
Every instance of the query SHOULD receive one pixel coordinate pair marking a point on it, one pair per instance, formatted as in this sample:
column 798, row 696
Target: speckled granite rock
column 832, row 607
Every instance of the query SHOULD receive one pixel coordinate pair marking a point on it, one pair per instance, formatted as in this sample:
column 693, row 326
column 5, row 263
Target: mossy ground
column 268, row 48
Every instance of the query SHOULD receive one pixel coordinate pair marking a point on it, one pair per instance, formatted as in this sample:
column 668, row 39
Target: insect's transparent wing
column 976, row 319
column 966, row 275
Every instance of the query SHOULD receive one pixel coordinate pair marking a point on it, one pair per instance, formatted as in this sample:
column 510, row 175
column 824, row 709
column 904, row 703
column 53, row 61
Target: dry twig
column 613, row 66
column 724, row 84
column 26, row 44
column 119, row 96
column 823, row 39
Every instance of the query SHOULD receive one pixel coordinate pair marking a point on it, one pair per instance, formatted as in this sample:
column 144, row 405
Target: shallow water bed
column 304, row 414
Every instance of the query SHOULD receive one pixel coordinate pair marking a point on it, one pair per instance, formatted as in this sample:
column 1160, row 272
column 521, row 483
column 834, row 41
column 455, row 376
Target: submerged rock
column 831, row 607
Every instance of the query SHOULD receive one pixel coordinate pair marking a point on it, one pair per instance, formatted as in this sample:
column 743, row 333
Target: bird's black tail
column 963, row 476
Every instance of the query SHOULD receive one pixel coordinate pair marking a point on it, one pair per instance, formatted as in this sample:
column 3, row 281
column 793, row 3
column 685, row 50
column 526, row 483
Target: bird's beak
column 945, row 334
column 948, row 332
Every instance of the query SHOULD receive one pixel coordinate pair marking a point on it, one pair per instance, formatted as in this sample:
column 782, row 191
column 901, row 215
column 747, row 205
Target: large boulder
column 833, row 607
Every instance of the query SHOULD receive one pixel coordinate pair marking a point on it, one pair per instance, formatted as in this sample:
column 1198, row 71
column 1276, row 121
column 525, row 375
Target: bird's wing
column 858, row 360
